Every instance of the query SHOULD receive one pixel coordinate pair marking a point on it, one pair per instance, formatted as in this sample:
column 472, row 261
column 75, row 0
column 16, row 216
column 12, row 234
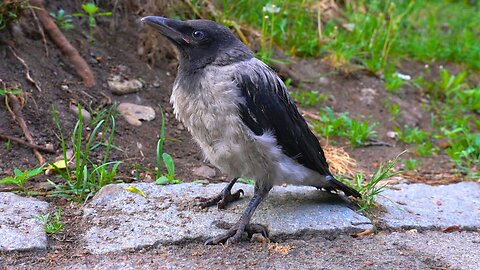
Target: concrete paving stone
column 421, row 206
column 394, row 251
column 117, row 219
column 19, row 230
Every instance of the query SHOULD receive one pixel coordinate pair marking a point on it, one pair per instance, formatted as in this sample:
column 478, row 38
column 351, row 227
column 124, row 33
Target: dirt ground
column 120, row 48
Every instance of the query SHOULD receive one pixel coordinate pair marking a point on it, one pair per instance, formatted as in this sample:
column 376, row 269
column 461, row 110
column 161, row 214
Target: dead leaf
column 363, row 233
column 280, row 249
column 57, row 165
column 453, row 228
column 135, row 190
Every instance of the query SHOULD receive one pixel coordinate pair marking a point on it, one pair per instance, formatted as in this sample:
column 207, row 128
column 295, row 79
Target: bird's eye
column 198, row 35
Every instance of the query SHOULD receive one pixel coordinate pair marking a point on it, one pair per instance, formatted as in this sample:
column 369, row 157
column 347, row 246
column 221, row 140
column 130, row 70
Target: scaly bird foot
column 235, row 232
column 224, row 198
column 221, row 200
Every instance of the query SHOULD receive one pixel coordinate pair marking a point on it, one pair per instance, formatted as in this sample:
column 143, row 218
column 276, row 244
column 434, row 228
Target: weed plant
column 163, row 158
column 369, row 189
column 20, row 178
column 91, row 11
column 52, row 223
column 10, row 11
column 62, row 19
column 88, row 175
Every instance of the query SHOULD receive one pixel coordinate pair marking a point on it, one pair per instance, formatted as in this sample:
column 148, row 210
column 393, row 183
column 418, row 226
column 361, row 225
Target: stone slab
column 19, row 230
column 422, row 206
column 117, row 219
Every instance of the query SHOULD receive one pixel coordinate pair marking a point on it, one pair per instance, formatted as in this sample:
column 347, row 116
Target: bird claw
column 235, row 232
column 221, row 200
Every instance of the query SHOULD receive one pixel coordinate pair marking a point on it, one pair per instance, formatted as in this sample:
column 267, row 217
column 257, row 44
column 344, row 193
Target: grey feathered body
column 207, row 102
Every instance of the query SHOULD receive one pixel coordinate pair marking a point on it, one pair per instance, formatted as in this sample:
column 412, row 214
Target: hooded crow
column 240, row 113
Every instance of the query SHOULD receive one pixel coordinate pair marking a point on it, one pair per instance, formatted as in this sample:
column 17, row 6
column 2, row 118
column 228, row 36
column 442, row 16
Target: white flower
column 271, row 8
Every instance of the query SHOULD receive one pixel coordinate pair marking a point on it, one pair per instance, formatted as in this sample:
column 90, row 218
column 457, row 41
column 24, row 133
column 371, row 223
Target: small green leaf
column 8, row 180
column 135, row 190
column 35, row 172
column 169, row 163
column 17, row 172
column 162, row 180
column 90, row 8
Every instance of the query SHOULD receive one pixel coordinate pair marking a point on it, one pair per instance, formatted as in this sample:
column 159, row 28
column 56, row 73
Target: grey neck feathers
column 192, row 63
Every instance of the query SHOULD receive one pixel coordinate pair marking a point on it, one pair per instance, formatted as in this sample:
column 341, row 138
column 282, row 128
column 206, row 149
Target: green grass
column 372, row 32
column 454, row 106
column 89, row 174
column 357, row 132
column 370, row 188
column 308, row 98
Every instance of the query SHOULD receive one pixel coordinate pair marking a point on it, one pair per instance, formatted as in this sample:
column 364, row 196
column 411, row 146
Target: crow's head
column 201, row 42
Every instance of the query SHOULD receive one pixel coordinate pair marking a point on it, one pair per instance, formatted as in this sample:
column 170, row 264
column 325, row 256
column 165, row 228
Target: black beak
column 170, row 28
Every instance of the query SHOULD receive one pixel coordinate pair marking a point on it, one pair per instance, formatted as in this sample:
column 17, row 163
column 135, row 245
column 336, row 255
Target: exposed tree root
column 16, row 110
column 22, row 142
column 80, row 65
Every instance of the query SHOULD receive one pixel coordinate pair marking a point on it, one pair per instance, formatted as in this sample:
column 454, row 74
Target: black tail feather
column 341, row 186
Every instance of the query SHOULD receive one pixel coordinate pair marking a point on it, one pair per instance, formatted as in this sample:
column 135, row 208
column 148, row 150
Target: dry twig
column 22, row 142
column 27, row 69
column 44, row 40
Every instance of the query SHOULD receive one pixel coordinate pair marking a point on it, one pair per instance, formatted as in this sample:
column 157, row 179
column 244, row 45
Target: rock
column 69, row 154
column 19, row 230
column 123, row 87
column 204, row 171
column 180, row 126
column 410, row 114
column 123, row 68
column 392, row 134
column 367, row 95
column 49, row 146
column 323, row 81
column 85, row 114
column 117, row 220
column 431, row 207
column 134, row 114
column 43, row 186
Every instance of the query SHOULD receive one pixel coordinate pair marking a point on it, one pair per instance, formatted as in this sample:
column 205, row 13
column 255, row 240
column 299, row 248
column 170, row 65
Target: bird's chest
column 208, row 108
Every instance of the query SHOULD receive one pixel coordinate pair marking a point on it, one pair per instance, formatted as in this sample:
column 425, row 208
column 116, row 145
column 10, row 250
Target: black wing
column 268, row 107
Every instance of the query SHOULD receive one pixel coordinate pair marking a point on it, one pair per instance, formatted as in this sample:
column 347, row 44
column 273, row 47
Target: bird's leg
column 236, row 230
column 225, row 197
